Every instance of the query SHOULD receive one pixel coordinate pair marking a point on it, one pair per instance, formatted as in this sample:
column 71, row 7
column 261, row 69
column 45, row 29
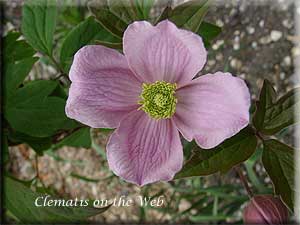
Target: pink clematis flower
column 148, row 94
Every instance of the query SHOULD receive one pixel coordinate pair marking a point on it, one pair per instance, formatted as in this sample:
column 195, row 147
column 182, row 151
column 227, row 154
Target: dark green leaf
column 221, row 158
column 124, row 9
column 20, row 201
column 80, row 138
column 278, row 160
column 143, row 8
column 208, row 32
column 190, row 14
column 37, row 143
column 18, row 63
column 33, row 112
column 107, row 18
column 273, row 115
column 14, row 49
column 83, row 34
column 130, row 10
column 266, row 99
column 14, row 75
column 164, row 14
column 60, row 91
column 72, row 14
column 38, row 24
column 188, row 148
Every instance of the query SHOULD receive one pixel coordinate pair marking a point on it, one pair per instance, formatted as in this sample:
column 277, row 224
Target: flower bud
column 265, row 209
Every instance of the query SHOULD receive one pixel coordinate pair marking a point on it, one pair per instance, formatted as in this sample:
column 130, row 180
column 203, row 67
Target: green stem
column 58, row 67
column 244, row 181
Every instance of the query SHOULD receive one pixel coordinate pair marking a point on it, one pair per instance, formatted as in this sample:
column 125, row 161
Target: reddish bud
column 265, row 209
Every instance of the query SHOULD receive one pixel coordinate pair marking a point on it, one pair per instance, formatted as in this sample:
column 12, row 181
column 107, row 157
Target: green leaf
column 278, row 160
column 33, row 112
column 18, row 63
column 124, row 9
column 208, row 32
column 20, row 201
column 80, row 138
column 143, row 8
column 107, row 18
column 221, row 158
column 14, row 49
column 38, row 144
column 208, row 218
column 38, row 24
column 131, row 10
column 83, row 34
column 164, row 14
column 14, row 75
column 273, row 115
column 190, row 14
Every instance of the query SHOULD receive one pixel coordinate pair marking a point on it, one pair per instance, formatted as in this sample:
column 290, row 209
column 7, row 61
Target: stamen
column 158, row 100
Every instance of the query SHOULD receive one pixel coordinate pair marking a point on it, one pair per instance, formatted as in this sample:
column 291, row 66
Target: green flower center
column 158, row 100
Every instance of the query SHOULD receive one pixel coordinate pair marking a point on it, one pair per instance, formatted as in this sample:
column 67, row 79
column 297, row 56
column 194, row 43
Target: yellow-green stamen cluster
column 158, row 100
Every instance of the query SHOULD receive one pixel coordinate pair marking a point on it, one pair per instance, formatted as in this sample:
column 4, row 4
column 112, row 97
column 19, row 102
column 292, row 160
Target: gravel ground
column 256, row 43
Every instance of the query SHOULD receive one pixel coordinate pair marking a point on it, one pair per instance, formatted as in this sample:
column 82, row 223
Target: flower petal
column 212, row 108
column 163, row 52
column 143, row 150
column 103, row 88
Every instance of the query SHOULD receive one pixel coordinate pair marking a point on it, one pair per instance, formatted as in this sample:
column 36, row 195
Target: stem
column 37, row 166
column 260, row 136
column 60, row 76
column 244, row 180
column 56, row 63
column 37, row 171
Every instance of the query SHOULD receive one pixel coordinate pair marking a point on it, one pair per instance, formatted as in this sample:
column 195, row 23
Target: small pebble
column 265, row 40
column 250, row 30
column 242, row 75
column 236, row 64
column 237, row 32
column 217, row 44
column 211, row 62
column 219, row 23
column 287, row 61
column 236, row 46
column 261, row 23
column 296, row 51
column 275, row 35
column 254, row 44
column 219, row 57
column 286, row 23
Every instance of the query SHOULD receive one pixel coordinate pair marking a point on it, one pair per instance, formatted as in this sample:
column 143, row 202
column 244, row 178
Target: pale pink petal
column 163, row 52
column 212, row 108
column 143, row 150
column 103, row 88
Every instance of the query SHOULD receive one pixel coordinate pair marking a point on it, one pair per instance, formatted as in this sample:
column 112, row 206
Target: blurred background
column 257, row 42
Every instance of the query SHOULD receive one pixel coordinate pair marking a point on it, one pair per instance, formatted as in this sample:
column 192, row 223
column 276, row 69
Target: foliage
column 222, row 158
column 20, row 201
column 274, row 114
